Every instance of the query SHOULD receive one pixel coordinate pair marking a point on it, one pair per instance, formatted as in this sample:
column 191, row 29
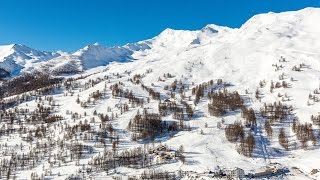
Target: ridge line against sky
column 73, row 24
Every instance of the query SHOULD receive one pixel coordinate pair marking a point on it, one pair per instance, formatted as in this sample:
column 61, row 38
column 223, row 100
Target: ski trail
column 259, row 133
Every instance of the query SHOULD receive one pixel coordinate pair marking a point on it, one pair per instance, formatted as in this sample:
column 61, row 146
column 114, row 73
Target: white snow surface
column 242, row 57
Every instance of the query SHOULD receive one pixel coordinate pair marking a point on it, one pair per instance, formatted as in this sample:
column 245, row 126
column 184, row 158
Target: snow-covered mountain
column 16, row 57
column 92, row 56
column 272, row 58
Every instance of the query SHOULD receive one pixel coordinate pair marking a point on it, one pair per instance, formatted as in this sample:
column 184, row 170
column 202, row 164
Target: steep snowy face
column 139, row 46
column 16, row 57
column 209, row 32
column 170, row 39
column 98, row 55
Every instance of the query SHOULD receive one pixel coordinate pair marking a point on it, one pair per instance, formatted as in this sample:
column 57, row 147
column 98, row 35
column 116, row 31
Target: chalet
column 236, row 173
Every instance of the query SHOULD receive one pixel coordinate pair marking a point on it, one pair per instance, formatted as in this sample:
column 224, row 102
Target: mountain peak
column 172, row 32
column 213, row 28
column 168, row 31
column 6, row 50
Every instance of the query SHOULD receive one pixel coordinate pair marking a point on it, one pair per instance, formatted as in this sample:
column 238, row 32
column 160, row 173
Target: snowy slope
column 242, row 57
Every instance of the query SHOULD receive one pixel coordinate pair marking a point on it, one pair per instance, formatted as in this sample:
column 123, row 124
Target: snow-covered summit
column 97, row 55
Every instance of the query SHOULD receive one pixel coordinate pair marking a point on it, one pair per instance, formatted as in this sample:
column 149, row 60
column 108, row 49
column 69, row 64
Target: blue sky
column 71, row 24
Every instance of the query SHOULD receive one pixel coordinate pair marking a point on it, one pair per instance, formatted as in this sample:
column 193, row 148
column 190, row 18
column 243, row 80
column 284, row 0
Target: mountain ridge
column 14, row 57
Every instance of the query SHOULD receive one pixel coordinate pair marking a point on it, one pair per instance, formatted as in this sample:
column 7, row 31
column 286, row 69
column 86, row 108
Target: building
column 236, row 173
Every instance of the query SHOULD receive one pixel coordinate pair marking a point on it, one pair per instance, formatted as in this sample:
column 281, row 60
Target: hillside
column 182, row 105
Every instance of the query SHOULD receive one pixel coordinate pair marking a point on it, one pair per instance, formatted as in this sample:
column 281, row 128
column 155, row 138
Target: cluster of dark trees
column 167, row 106
column 168, row 75
column 295, row 68
column 249, row 116
column 136, row 79
column 276, row 85
column 147, row 125
column 223, row 101
column 276, row 112
column 316, row 120
column 199, row 90
column 18, row 162
column 117, row 91
column 165, row 76
column 92, row 82
column 180, row 112
column 278, row 67
column 189, row 109
column 157, row 175
column 235, row 133
column 29, row 82
column 79, row 150
column 42, row 151
column 97, row 95
column 14, row 101
column 314, row 97
column 177, row 86
column 71, row 84
column 139, row 157
column 283, row 139
column 298, row 67
column 109, row 159
column 154, row 95
column 41, row 114
column 76, row 129
column 93, row 97
column 247, row 145
column 304, row 133
column 268, row 128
